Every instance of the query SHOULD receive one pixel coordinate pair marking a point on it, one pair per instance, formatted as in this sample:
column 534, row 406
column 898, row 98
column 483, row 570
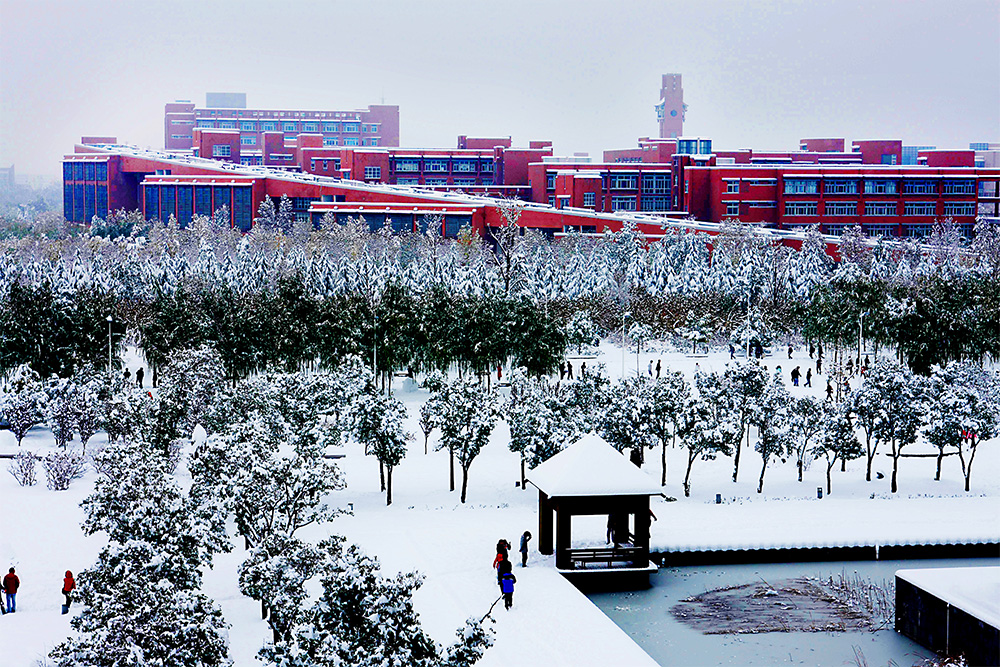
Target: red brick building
column 378, row 125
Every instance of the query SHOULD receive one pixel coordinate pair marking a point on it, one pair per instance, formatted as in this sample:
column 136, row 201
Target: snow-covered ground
column 452, row 544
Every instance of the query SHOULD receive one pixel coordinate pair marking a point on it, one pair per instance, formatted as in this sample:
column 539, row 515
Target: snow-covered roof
column 592, row 467
column 974, row 590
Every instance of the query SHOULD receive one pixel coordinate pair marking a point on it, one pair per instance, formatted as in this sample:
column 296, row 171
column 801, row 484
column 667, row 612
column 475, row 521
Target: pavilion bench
column 628, row 555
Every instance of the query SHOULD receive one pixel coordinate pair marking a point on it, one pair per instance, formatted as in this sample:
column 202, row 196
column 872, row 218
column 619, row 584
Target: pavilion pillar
column 544, row 524
column 563, row 519
column 642, row 528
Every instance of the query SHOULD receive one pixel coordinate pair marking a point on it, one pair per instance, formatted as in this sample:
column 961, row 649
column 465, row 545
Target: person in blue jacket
column 507, row 582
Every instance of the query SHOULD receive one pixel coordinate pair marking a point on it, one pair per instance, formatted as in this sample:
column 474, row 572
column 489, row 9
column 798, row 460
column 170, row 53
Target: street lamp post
column 624, row 315
column 109, row 347
column 861, row 324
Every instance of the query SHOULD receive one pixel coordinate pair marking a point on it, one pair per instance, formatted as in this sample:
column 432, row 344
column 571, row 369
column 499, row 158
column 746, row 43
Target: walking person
column 583, row 369
column 796, row 374
column 562, row 370
column 829, row 391
column 657, row 369
column 503, row 548
column 789, row 351
column 850, row 367
column 69, row 585
column 10, row 585
column 569, row 371
column 525, row 538
column 649, row 368
column 128, row 376
column 809, row 377
column 819, row 364
column 507, row 588
column 732, row 351
column 812, row 350
column 139, row 374
column 503, row 567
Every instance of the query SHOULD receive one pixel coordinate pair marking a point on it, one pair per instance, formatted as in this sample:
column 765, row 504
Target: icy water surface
column 645, row 616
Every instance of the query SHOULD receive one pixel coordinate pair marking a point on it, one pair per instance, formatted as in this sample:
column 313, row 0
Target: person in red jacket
column 69, row 585
column 10, row 585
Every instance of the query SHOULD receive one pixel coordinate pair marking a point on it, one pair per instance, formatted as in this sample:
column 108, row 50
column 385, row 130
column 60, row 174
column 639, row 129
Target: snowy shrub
column 62, row 467
column 22, row 467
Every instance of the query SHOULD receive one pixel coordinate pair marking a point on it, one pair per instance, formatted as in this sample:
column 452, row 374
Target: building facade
column 378, row 125
column 671, row 108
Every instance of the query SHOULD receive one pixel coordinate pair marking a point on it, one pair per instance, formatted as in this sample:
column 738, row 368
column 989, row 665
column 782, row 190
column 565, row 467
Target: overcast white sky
column 584, row 74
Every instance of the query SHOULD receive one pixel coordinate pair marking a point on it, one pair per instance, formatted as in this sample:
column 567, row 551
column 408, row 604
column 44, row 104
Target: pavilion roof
column 592, row 467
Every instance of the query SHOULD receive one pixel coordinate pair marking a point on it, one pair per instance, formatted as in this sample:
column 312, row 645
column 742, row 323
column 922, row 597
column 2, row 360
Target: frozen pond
column 645, row 616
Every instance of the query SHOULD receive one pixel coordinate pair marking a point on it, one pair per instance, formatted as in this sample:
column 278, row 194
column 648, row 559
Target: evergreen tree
column 709, row 425
column 837, row 441
column 378, row 425
column 900, row 397
column 469, row 413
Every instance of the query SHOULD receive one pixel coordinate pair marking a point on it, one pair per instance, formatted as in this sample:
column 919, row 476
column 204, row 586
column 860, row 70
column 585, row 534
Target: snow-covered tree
column 774, row 438
column 807, row 417
column 668, row 395
column 837, row 441
column 378, row 425
column 580, row 331
column 87, row 411
column 62, row 468
column 469, row 413
column 542, row 421
column 626, row 420
column 747, row 382
column 364, row 619
column 963, row 411
column 23, row 401
column 709, row 425
column 60, row 410
column 900, row 397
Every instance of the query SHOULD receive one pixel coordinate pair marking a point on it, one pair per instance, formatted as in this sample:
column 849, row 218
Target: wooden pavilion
column 588, row 478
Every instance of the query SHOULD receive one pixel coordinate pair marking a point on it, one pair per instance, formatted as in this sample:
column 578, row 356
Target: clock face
column 673, row 112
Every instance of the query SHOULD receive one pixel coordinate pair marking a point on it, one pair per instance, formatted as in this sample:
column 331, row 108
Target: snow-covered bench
column 609, row 555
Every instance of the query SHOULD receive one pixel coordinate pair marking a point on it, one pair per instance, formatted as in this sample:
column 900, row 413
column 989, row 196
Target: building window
column 655, row 202
column 102, row 171
column 762, row 181
column 350, row 127
column 623, row 203
column 310, row 127
column 656, row 183
column 590, row 199
column 465, row 166
column 221, row 150
column 329, row 141
column 248, row 126
column 373, row 173
column 963, row 187
column 800, row 207
column 407, row 165
column 880, row 187
column 486, row 166
column 841, row 208
column 732, row 186
column 916, row 231
column 880, row 208
column 373, row 141
column 269, row 127
column 436, row 181
column 552, row 201
column 89, row 171
column 436, row 165
column 351, row 141
column 465, row 182
column 920, row 208
column 764, row 203
column 248, row 141
column 288, row 127
column 206, row 124
column 879, row 230
column 227, row 125
column 550, row 181
column 624, row 182
column 330, row 127
column 959, row 208
column 407, row 181
column 839, row 187
column 732, row 207
column 919, row 188
column 801, row 186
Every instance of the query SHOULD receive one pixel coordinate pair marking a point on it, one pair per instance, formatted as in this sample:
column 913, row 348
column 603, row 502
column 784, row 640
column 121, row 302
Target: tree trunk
column 388, row 486
column 799, row 464
column 895, row 461
column 451, row 469
column 760, row 484
column 968, row 468
column 263, row 610
column 843, row 466
column 663, row 461
column 937, row 475
column 426, row 436
column 381, row 476
column 465, row 482
column 687, row 475
column 739, row 447
column 523, row 480
column 871, row 457
column 828, row 469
